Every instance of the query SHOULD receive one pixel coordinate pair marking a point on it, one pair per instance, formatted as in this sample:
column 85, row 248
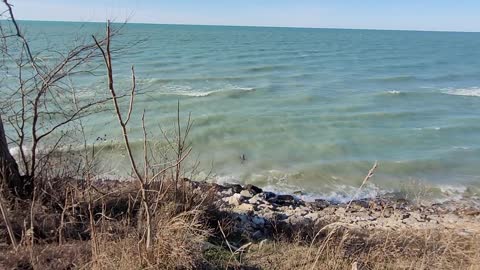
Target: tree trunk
column 11, row 181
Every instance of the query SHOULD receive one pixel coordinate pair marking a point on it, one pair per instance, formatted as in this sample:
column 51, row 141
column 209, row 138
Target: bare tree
column 37, row 101
column 9, row 173
column 146, row 179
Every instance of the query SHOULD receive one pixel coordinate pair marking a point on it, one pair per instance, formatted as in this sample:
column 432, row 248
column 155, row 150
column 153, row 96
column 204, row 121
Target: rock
column 242, row 218
column 235, row 188
column 330, row 210
column 238, row 196
column 258, row 221
column 232, row 200
column 313, row 216
column 253, row 189
column 285, row 198
column 256, row 200
column 245, row 207
column 235, row 199
column 319, row 204
column 298, row 220
column 257, row 235
column 246, row 194
column 267, row 206
column 301, row 211
column 387, row 212
column 268, row 195
column 282, row 200
column 358, row 205
column 227, row 192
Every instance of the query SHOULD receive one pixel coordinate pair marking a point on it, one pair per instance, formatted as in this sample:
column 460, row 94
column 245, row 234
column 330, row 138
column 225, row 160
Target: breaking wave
column 228, row 91
column 470, row 91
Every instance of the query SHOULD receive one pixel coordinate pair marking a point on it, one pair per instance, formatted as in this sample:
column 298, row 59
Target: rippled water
column 309, row 109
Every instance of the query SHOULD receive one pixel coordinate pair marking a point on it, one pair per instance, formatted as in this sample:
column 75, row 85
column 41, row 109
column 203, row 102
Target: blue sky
column 452, row 15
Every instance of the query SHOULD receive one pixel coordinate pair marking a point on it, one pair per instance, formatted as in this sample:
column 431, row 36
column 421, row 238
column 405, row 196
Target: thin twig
column 365, row 180
column 8, row 224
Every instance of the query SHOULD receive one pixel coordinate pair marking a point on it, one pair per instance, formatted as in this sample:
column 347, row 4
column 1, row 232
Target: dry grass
column 347, row 249
column 177, row 244
column 181, row 239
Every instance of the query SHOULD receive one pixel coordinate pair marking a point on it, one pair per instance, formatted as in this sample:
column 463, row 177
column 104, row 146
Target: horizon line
column 258, row 26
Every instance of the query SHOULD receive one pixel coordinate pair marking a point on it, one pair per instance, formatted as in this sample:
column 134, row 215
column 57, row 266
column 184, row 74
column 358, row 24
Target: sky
column 436, row 15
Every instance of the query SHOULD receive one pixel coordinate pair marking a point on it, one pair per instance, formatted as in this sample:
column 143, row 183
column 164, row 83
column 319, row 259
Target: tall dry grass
column 343, row 248
column 177, row 244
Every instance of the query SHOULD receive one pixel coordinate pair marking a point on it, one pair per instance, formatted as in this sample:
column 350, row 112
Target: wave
column 229, row 91
column 156, row 81
column 394, row 79
column 470, row 92
column 394, row 92
column 267, row 68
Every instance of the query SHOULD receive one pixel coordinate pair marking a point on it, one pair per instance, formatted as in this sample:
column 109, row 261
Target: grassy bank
column 198, row 230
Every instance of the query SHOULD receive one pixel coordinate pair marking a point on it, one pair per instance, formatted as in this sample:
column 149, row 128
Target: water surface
column 304, row 109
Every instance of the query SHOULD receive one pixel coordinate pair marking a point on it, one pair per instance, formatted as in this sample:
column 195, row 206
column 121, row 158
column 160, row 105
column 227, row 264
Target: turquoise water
column 309, row 109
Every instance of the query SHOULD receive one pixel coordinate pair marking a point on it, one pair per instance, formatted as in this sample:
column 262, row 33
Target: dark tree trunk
column 10, row 179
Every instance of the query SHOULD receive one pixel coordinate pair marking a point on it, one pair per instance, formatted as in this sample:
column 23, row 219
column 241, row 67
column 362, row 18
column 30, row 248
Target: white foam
column 471, row 91
column 427, row 128
column 225, row 179
column 449, row 189
column 394, row 92
column 452, row 192
column 190, row 93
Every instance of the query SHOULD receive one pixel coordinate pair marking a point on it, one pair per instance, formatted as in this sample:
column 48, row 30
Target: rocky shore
column 259, row 214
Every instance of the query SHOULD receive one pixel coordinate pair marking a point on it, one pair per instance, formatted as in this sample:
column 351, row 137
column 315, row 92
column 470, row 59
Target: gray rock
column 246, row 194
column 301, row 211
column 256, row 200
column 242, row 218
column 282, row 200
column 227, row 192
column 258, row 221
column 298, row 220
column 253, row 189
column 267, row 206
column 319, row 204
column 257, row 235
column 235, row 188
column 268, row 195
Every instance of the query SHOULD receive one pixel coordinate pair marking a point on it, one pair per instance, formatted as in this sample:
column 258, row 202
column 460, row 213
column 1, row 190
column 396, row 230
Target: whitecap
column 427, row 128
column 190, row 93
column 394, row 92
column 470, row 91
column 452, row 189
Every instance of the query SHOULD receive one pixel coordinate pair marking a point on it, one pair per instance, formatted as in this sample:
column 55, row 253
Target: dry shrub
column 177, row 244
column 69, row 256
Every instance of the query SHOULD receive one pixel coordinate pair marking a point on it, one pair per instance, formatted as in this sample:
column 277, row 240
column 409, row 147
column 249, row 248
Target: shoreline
column 256, row 212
